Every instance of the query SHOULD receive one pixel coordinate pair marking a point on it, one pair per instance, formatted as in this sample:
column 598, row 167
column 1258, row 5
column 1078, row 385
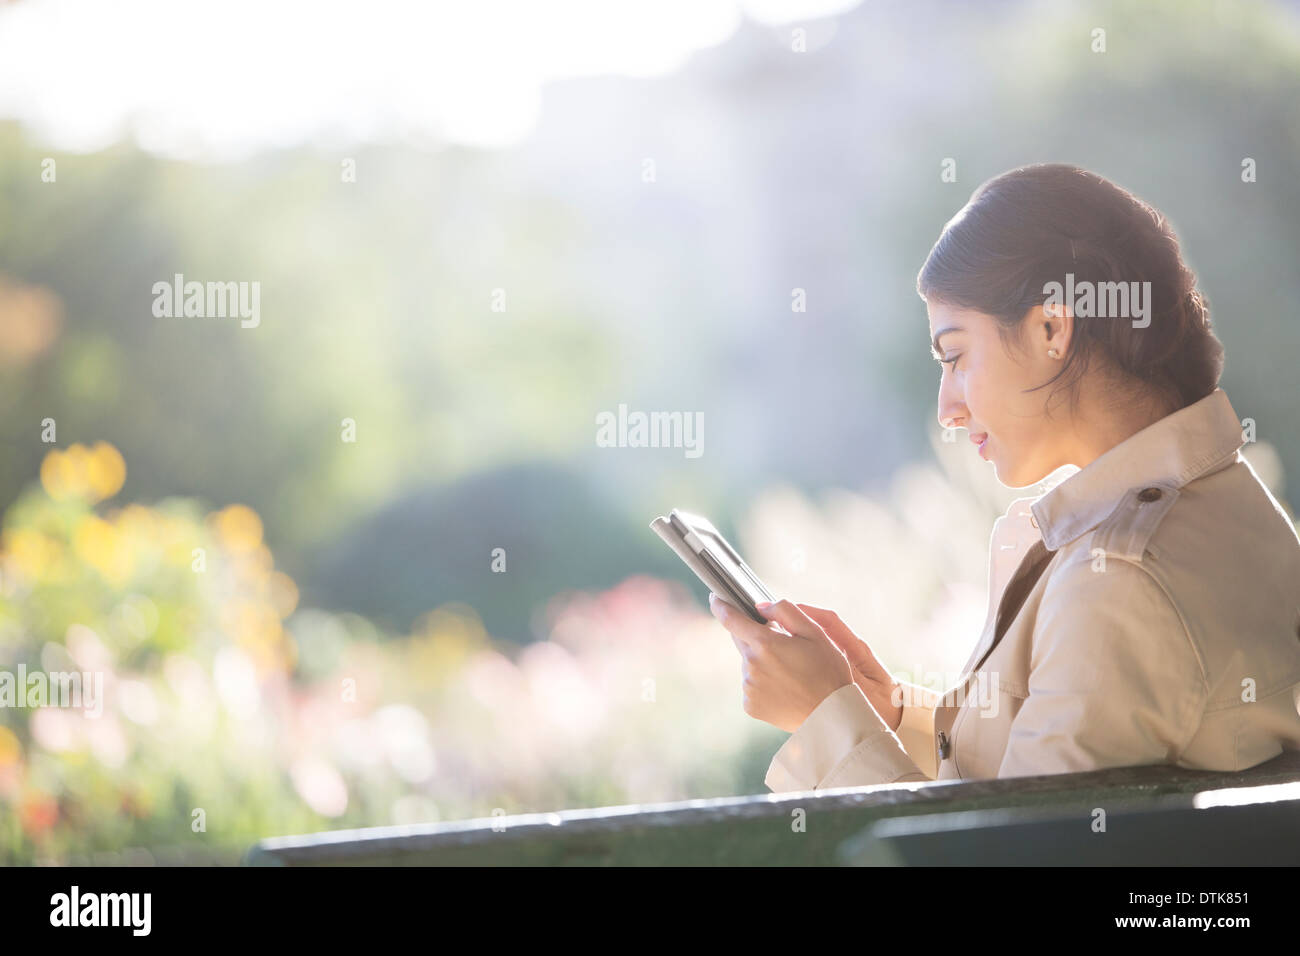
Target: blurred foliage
column 375, row 670
column 819, row 172
column 552, row 529
column 220, row 696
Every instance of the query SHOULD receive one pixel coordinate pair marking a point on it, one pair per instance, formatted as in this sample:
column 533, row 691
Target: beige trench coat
column 1145, row 610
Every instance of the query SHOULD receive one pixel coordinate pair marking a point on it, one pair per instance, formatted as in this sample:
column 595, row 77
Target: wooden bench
column 1153, row 815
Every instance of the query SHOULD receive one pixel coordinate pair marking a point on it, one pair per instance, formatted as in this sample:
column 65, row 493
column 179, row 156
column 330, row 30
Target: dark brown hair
column 1030, row 226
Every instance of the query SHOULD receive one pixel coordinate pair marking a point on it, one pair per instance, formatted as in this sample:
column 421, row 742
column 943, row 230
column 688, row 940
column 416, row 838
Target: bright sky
column 211, row 78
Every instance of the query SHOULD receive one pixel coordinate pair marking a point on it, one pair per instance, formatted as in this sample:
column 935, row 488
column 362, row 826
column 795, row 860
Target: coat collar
column 1171, row 452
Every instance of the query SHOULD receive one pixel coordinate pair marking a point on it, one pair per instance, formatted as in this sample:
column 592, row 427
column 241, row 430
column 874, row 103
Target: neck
column 1102, row 424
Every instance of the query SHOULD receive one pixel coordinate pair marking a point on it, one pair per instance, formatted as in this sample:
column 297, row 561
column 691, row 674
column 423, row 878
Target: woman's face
column 982, row 389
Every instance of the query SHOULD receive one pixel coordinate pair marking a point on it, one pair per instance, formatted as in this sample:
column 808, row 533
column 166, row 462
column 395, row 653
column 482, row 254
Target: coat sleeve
column 1114, row 678
column 844, row 743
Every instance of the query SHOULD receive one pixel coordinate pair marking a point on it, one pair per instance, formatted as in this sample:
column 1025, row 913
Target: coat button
column 1149, row 494
column 944, row 748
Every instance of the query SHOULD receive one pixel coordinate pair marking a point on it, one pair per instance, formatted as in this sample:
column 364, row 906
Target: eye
column 952, row 361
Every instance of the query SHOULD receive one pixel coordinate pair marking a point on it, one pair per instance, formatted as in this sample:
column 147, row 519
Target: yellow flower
column 58, row 475
column 30, row 552
column 80, row 472
column 251, row 624
column 10, row 747
column 105, row 471
column 98, row 543
column 239, row 528
column 284, row 593
column 445, row 638
column 139, row 523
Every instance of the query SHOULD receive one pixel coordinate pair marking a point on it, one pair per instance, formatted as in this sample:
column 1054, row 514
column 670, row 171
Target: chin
column 1007, row 473
column 1017, row 476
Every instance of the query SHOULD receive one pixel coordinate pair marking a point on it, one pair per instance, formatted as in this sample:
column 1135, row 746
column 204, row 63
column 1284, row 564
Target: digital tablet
column 714, row 561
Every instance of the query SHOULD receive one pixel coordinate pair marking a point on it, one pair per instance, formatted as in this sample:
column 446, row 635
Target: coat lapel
column 1022, row 582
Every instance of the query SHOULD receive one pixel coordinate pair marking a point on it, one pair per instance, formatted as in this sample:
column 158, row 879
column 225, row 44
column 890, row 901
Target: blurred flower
column 105, row 471
column 29, row 552
column 445, row 639
column 284, row 594
column 137, row 701
column 97, row 543
column 85, row 647
column 194, row 712
column 30, row 317
column 320, row 786
column 10, row 747
column 364, row 718
column 92, row 474
column 403, row 733
column 235, row 678
column 134, row 618
column 355, row 745
column 239, row 528
column 136, row 803
column 55, row 730
column 493, row 680
column 560, row 693
column 107, row 742
column 38, row 813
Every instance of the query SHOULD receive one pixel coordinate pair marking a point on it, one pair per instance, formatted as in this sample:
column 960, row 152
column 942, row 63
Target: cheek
column 993, row 394
column 982, row 394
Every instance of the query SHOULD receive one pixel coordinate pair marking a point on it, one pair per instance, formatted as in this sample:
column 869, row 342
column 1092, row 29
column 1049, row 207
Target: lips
column 980, row 440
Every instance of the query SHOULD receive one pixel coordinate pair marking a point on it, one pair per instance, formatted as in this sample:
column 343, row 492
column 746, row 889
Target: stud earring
column 1053, row 353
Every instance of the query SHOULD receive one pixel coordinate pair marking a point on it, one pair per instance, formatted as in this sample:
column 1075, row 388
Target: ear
column 1050, row 326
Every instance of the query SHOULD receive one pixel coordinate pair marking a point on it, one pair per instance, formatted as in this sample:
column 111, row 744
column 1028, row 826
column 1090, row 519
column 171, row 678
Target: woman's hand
column 786, row 675
column 880, row 688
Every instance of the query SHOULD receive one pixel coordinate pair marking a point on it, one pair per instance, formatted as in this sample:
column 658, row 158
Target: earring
column 1053, row 353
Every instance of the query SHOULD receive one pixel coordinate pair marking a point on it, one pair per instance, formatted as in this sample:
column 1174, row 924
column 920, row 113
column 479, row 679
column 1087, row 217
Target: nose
column 952, row 407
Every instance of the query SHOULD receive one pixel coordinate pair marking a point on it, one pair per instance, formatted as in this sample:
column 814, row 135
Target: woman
column 1145, row 610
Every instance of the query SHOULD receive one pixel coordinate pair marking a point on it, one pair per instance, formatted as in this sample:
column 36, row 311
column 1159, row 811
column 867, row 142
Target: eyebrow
column 934, row 348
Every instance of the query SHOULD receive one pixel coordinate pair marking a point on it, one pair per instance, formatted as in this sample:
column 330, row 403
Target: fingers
column 791, row 618
column 842, row 636
column 747, row 632
column 818, row 613
column 830, row 622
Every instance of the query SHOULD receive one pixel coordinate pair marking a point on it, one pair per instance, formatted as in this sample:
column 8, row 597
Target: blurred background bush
column 343, row 654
